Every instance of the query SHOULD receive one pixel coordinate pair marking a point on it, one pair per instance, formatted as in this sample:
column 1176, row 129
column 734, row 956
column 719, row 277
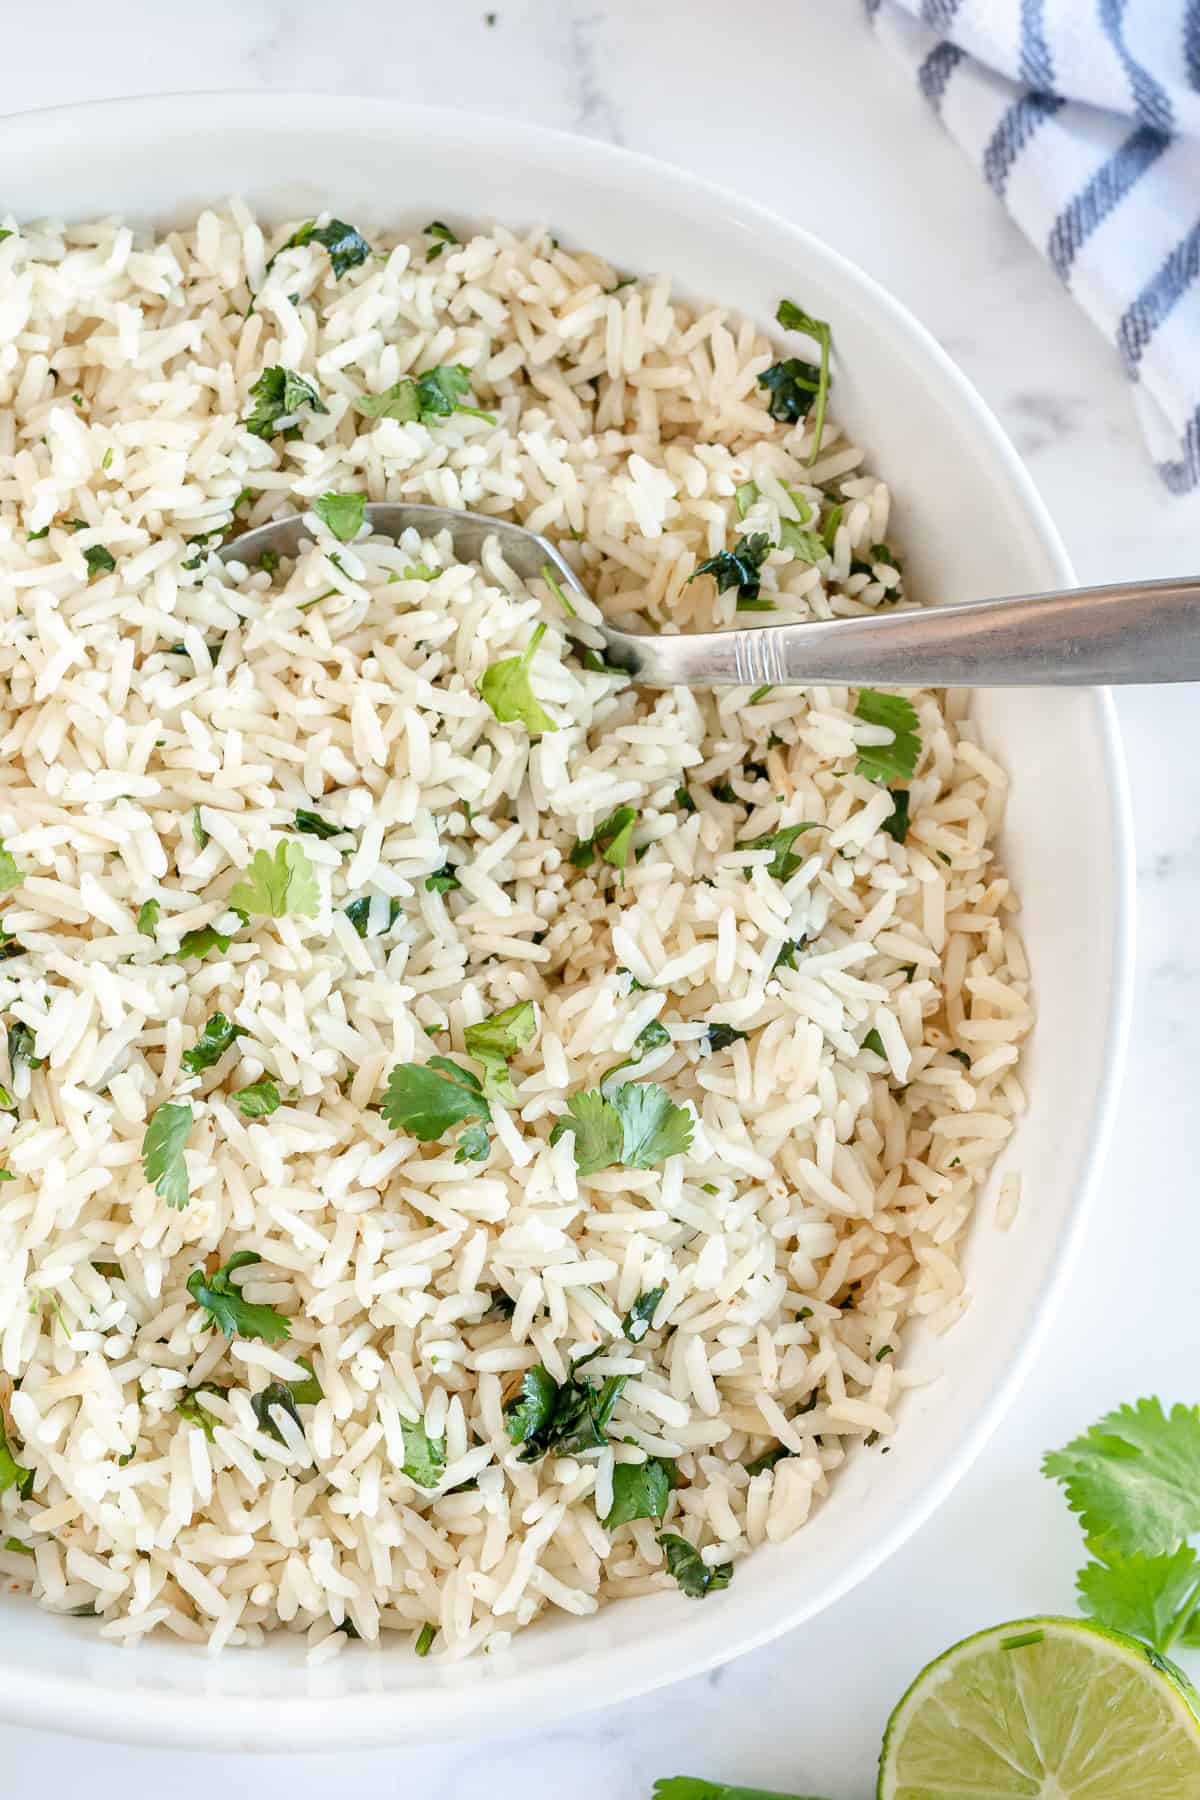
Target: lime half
column 1045, row 1709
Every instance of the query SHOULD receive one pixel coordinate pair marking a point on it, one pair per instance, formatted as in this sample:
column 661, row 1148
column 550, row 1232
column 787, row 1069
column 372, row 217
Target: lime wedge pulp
column 1045, row 1709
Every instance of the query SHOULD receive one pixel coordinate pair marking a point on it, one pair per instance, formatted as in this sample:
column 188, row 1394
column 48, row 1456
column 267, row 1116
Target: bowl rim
column 609, row 1675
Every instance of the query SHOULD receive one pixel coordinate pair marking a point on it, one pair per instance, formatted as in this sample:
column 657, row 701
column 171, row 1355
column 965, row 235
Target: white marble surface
column 761, row 95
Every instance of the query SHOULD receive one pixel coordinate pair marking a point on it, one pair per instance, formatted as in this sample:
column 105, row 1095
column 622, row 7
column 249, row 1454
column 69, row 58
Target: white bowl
column 971, row 525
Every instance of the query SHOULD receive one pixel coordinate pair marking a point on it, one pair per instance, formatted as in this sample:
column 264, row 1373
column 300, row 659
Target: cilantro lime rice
column 473, row 1132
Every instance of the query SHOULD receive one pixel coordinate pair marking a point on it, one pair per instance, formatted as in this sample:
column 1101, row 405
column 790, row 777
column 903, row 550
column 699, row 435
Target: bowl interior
column 971, row 525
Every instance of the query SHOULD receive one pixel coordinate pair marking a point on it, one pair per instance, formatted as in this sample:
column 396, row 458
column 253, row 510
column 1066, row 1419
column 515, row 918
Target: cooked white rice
column 824, row 1199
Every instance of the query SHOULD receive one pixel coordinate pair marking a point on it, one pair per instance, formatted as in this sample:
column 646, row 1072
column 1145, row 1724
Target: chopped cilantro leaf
column 896, row 825
column 315, row 826
column 793, row 386
column 274, row 886
column 640, row 1491
column 874, row 1043
column 652, row 1036
column 806, row 546
column 442, row 235
column 428, row 1632
column 11, row 1472
column 99, row 561
column 359, row 914
column 740, row 567
column 896, row 761
column 744, row 497
column 690, row 1570
column 784, row 862
column 494, row 1040
column 612, row 839
column 424, row 1457
column 198, row 832
column 199, row 942
column 443, row 880
column 280, row 394
column 223, row 1301
column 719, row 1037
column 218, row 1036
column 794, row 318
column 21, row 1041
column 347, row 248
column 10, row 875
column 163, row 1161
column 684, row 801
column 190, row 1407
column 147, row 919
column 566, row 1417
column 342, row 514
column 830, row 526
column 259, row 1100
column 637, row 1320
column 508, row 691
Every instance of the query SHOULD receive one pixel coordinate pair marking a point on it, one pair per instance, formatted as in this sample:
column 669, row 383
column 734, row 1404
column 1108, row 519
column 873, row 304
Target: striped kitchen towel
column 1084, row 117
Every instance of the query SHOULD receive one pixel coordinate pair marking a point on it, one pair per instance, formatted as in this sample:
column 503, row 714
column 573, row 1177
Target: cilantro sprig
column 279, row 884
column 428, row 1099
column 1134, row 1479
column 637, row 1125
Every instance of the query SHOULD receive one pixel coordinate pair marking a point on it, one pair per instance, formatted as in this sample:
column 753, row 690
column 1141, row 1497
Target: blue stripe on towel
column 1093, row 203
column 1013, row 133
column 1191, row 41
column 1157, row 299
column 939, row 15
column 1182, row 475
column 935, row 72
column 1037, row 64
column 1150, row 98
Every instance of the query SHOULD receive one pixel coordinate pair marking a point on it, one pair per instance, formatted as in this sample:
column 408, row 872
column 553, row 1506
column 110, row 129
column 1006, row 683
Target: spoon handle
column 1133, row 631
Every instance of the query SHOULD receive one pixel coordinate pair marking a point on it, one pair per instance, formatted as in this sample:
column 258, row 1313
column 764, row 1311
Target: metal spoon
column 1132, row 631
